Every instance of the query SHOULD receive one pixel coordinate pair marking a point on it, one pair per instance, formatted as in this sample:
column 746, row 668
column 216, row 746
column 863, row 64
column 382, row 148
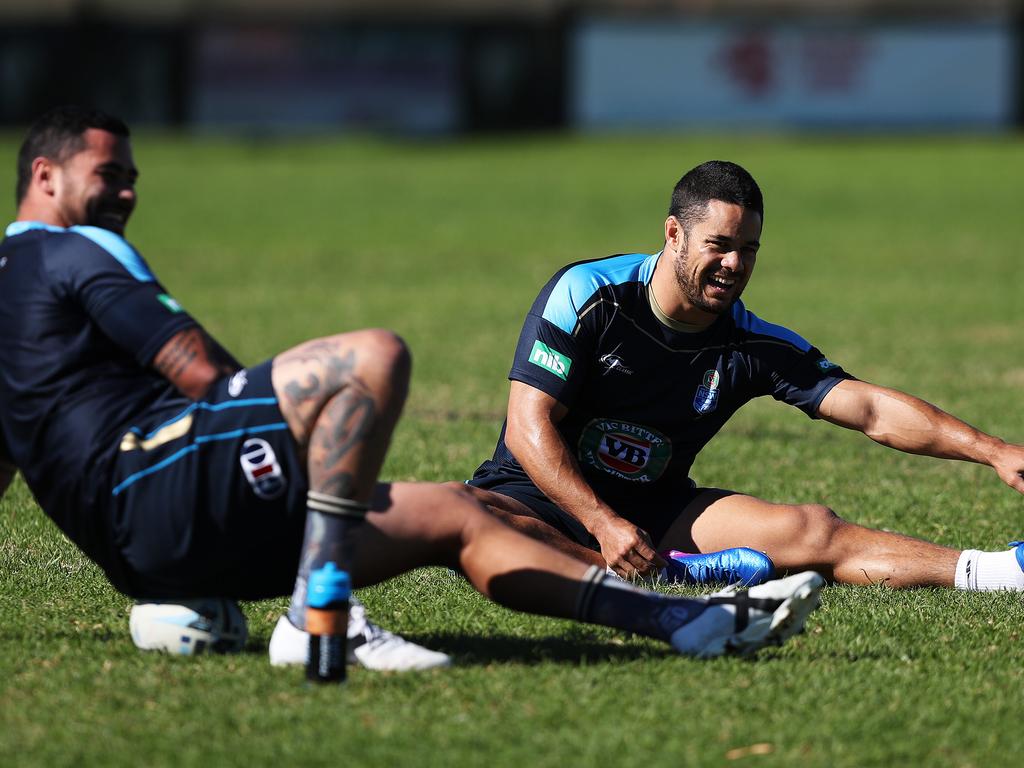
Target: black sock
column 611, row 602
column 330, row 524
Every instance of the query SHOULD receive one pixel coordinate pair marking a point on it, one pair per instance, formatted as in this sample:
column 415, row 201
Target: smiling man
column 627, row 366
column 182, row 474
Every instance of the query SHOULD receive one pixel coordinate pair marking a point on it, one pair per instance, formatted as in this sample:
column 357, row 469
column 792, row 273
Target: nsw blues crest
column 706, row 399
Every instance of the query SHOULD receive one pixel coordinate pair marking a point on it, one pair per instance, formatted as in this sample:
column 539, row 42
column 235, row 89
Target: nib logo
column 546, row 357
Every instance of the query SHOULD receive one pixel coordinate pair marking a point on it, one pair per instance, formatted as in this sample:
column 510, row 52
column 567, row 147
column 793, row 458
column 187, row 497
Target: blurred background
column 456, row 67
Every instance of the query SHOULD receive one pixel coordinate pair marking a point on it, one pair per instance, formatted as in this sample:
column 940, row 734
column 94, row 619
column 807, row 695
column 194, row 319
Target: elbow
column 195, row 387
column 515, row 440
column 522, row 437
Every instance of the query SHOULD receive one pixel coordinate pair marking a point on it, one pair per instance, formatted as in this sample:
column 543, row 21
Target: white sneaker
column 744, row 622
column 188, row 627
column 368, row 645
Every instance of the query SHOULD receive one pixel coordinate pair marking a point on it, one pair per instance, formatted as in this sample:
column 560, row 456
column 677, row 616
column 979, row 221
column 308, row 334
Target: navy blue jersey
column 644, row 398
column 82, row 318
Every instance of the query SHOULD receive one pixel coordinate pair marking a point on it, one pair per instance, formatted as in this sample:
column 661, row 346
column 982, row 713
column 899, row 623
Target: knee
column 468, row 515
column 460, row 494
column 814, row 525
column 385, row 353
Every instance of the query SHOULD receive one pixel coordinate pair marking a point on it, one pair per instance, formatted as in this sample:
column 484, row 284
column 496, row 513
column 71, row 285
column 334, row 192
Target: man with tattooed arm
column 184, row 475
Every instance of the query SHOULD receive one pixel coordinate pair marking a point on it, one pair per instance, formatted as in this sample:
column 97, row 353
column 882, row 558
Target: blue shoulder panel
column 119, row 248
column 747, row 320
column 578, row 283
column 112, row 243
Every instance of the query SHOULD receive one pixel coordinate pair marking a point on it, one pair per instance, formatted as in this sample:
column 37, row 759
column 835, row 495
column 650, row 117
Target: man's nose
column 731, row 260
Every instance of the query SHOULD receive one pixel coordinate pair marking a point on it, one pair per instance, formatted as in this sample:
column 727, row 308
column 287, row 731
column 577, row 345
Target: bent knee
column 378, row 353
column 813, row 525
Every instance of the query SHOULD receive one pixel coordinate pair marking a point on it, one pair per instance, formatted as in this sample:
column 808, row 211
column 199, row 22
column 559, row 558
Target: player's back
column 68, row 388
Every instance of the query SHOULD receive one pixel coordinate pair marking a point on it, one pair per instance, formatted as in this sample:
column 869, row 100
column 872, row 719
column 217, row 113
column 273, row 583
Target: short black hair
column 713, row 180
column 57, row 134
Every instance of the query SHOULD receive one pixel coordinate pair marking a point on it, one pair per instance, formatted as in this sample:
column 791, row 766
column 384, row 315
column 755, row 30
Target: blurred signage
column 294, row 79
column 717, row 74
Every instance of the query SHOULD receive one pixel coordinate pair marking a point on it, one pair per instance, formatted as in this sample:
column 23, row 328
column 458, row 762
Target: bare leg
column 810, row 536
column 411, row 525
column 520, row 517
column 341, row 397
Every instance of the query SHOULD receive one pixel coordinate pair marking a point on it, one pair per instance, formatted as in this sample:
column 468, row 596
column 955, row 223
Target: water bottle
column 327, row 603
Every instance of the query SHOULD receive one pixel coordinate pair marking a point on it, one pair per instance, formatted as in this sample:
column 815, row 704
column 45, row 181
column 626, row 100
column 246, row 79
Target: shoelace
column 373, row 636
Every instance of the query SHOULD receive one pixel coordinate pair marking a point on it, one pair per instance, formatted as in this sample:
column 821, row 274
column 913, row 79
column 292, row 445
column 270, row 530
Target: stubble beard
column 692, row 289
column 689, row 286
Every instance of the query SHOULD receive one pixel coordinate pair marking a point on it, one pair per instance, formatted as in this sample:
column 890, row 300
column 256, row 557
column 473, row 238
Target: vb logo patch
column 706, row 399
column 625, row 450
column 825, row 364
column 259, row 463
column 550, row 360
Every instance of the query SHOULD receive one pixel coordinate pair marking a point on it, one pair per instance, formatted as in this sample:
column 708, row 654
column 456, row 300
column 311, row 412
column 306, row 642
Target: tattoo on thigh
column 345, row 423
column 336, row 371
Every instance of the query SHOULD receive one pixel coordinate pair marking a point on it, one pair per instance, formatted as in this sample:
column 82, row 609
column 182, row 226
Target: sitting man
column 182, row 474
column 627, row 366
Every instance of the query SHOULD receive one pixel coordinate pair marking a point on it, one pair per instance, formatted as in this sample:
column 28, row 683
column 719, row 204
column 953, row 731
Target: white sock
column 987, row 571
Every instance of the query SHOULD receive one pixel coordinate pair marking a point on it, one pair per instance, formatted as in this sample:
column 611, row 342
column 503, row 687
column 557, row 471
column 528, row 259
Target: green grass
column 900, row 258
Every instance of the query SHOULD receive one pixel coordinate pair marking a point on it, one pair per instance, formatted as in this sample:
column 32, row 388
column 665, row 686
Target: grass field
column 899, row 258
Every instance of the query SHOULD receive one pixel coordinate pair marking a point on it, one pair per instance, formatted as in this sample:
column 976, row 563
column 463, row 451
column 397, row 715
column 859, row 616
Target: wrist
column 602, row 521
column 990, row 449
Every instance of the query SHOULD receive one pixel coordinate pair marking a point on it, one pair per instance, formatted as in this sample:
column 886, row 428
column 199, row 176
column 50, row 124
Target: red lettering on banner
column 749, row 60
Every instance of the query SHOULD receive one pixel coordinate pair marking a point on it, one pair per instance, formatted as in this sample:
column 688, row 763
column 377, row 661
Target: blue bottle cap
column 328, row 585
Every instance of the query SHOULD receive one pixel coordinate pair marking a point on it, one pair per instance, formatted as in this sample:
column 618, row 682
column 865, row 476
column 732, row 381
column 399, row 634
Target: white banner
column 745, row 75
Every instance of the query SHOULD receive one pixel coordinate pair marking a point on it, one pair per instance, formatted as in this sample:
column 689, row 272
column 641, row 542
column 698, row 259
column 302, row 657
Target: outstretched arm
column 534, row 440
column 192, row 360
column 909, row 424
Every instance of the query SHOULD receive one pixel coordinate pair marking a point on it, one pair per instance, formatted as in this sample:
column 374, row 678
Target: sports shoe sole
column 787, row 620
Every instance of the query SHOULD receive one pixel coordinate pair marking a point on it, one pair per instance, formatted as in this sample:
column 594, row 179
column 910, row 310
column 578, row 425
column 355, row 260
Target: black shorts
column 653, row 514
column 210, row 499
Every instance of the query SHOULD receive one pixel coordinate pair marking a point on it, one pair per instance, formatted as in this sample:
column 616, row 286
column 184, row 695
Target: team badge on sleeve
column 259, row 463
column 706, row 399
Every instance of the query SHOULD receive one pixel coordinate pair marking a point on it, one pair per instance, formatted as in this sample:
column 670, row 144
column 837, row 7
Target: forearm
column 545, row 457
column 192, row 360
column 909, row 424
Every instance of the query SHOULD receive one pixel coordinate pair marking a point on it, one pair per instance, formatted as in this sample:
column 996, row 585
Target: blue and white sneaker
column 739, row 565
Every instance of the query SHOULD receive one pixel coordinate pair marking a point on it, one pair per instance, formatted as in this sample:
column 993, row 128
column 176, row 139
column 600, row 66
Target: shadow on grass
column 476, row 650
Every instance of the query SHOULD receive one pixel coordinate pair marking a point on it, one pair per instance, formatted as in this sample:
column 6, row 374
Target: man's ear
column 675, row 237
column 43, row 175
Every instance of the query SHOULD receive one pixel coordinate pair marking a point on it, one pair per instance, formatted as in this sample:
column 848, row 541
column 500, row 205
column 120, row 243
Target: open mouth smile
column 721, row 283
